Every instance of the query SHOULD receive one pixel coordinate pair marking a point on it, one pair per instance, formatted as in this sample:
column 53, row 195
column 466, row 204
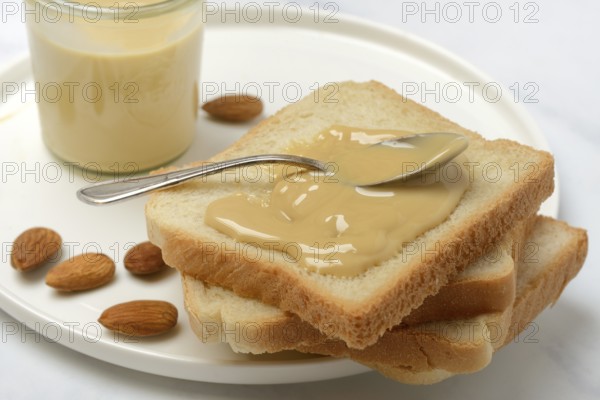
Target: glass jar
column 116, row 83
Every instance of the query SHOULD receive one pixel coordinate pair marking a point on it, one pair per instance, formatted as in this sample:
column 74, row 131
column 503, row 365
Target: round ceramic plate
column 276, row 57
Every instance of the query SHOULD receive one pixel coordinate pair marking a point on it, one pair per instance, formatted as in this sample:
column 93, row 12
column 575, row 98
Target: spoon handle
column 114, row 191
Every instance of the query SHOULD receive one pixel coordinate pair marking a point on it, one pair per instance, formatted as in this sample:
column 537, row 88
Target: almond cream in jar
column 116, row 82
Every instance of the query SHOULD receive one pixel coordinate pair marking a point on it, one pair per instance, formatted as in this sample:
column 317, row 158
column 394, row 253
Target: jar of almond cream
column 116, row 82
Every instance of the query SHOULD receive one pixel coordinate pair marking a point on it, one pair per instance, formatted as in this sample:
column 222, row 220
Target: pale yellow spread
column 118, row 92
column 333, row 227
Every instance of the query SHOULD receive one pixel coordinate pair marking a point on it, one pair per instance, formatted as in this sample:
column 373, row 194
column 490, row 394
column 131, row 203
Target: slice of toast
column 362, row 307
column 419, row 354
column 249, row 326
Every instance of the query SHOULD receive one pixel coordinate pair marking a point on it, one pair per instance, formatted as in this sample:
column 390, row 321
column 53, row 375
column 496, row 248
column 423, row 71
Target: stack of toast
column 438, row 308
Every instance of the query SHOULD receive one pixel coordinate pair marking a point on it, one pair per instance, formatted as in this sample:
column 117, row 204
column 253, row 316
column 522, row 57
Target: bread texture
column 364, row 307
column 420, row 354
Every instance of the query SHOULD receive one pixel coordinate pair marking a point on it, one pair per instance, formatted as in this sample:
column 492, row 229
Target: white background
column 559, row 54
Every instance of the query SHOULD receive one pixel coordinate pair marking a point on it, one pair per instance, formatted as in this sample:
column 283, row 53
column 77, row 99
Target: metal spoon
column 114, row 191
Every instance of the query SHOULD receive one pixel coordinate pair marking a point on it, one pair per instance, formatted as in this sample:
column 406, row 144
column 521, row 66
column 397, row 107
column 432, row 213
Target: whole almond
column 34, row 247
column 140, row 317
column 82, row 272
column 144, row 259
column 234, row 107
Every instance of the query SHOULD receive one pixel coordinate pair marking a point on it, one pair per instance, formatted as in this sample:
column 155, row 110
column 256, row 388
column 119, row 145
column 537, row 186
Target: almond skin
column 144, row 259
column 82, row 272
column 140, row 317
column 234, row 107
column 34, row 247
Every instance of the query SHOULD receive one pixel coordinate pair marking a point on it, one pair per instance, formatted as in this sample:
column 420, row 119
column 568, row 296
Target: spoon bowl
column 446, row 147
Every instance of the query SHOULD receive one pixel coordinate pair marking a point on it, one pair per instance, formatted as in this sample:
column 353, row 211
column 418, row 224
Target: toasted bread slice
column 362, row 307
column 218, row 315
column 249, row 326
column 419, row 354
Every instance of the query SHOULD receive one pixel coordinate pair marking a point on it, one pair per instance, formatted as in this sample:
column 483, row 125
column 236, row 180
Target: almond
column 34, row 247
column 234, row 107
column 82, row 272
column 140, row 317
column 144, row 259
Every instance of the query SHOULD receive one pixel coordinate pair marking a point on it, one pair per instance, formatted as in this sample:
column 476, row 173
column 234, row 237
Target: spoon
column 446, row 146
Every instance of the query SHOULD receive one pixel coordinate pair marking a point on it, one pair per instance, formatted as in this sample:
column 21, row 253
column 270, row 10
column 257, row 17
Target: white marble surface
column 559, row 55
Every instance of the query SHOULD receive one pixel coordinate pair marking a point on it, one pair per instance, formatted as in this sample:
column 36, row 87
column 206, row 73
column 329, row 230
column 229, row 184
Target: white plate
column 278, row 60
